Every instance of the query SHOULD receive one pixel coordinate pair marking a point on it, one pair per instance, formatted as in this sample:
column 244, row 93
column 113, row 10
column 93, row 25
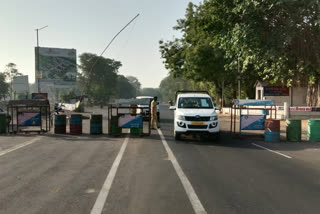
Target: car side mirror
column 172, row 108
column 217, row 108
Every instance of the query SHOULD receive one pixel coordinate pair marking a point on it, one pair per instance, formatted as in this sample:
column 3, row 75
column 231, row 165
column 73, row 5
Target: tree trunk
column 313, row 96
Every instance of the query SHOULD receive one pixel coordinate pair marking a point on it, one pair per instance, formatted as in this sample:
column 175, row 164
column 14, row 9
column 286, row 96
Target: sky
column 88, row 26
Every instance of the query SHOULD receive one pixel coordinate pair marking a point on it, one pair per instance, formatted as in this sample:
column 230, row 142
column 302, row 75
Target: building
column 20, row 87
column 294, row 96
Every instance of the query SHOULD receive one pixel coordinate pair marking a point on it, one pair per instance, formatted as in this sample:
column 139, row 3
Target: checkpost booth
column 128, row 119
column 29, row 116
column 254, row 115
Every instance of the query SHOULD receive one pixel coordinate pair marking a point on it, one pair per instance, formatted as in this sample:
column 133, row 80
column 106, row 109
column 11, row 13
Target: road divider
column 4, row 152
column 104, row 192
column 194, row 199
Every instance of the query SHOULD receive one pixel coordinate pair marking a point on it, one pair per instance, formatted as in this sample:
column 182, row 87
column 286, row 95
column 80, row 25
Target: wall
column 299, row 97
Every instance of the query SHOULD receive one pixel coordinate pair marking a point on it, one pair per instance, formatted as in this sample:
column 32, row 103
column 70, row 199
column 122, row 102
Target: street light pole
column 239, row 80
column 38, row 54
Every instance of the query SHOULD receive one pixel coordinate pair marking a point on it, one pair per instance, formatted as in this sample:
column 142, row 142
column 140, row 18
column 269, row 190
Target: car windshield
column 144, row 101
column 195, row 102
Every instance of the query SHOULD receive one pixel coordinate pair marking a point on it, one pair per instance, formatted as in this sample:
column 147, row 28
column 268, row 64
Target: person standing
column 154, row 117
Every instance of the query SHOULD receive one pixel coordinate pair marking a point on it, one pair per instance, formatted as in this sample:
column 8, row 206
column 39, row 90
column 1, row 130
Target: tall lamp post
column 38, row 54
column 239, row 79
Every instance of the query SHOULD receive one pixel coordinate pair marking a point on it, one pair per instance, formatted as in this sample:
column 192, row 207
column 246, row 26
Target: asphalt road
column 101, row 174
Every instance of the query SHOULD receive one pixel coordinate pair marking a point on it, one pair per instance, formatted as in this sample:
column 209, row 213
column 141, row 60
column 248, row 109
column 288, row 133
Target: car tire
column 216, row 137
column 177, row 136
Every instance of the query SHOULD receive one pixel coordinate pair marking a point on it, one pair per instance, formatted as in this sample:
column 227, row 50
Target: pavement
column 156, row 174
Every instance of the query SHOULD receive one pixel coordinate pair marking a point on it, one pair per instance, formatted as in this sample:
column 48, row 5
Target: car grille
column 197, row 118
column 197, row 126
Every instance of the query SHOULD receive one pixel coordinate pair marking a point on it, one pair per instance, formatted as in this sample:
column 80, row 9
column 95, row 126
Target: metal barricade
column 131, row 119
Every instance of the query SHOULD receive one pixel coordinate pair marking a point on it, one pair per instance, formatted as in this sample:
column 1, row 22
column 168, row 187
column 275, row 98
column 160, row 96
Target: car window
column 195, row 102
column 144, row 101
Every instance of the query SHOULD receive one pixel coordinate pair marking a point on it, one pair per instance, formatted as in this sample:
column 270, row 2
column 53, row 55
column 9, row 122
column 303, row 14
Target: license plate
column 197, row 123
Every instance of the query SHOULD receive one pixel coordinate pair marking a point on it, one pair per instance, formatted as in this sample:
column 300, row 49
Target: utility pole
column 38, row 54
column 96, row 61
column 222, row 95
column 239, row 79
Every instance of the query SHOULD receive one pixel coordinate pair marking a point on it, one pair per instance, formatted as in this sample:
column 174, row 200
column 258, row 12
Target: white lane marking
column 102, row 197
column 195, row 202
column 19, row 146
column 279, row 153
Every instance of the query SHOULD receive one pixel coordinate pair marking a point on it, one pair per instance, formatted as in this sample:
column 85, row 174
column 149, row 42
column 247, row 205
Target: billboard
column 56, row 66
column 276, row 91
column 242, row 102
column 252, row 122
column 39, row 96
column 29, row 119
column 130, row 121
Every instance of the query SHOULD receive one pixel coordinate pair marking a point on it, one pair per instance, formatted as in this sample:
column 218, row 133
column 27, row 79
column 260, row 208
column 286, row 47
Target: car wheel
column 217, row 137
column 177, row 136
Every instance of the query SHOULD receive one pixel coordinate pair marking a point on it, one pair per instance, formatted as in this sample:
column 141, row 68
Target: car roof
column 143, row 97
column 194, row 95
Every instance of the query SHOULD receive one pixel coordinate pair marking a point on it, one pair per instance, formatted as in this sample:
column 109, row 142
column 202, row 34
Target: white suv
column 195, row 113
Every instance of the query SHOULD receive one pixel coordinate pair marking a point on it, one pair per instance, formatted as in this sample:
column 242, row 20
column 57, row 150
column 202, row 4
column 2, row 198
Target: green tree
column 278, row 39
column 125, row 89
column 135, row 82
column 196, row 57
column 151, row 92
column 68, row 95
column 10, row 72
column 4, row 87
column 170, row 85
column 98, row 77
column 274, row 40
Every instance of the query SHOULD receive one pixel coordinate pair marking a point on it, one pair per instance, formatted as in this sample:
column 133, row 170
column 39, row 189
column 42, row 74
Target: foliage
column 4, row 87
column 98, row 77
column 275, row 40
column 69, row 95
column 125, row 89
column 169, row 85
column 154, row 92
column 135, row 82
column 10, row 72
column 80, row 108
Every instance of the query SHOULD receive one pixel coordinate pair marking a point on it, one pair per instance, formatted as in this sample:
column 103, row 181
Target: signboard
column 39, row 96
column 130, row 121
column 242, row 102
column 301, row 108
column 252, row 122
column 275, row 91
column 55, row 65
column 29, row 119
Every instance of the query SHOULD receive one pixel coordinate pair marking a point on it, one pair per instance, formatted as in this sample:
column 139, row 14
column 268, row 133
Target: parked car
column 195, row 112
column 144, row 101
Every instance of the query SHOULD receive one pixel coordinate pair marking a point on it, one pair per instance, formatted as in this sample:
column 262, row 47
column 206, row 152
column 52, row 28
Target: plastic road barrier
column 293, row 130
column 60, row 124
column 272, row 130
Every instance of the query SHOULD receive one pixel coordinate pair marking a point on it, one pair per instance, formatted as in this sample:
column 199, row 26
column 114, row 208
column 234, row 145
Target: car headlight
column 213, row 118
column 180, row 117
